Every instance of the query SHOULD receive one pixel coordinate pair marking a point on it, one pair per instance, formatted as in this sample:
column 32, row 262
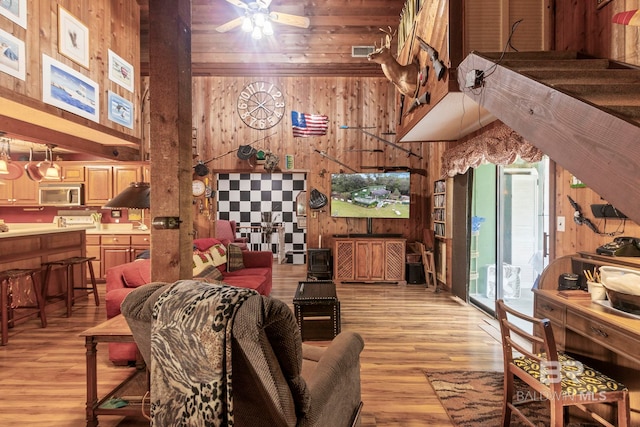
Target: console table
column 590, row 330
column 367, row 259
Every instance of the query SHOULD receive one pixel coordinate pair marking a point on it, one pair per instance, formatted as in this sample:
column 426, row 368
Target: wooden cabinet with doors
column 19, row 192
column 104, row 182
column 72, row 171
column 369, row 260
column 93, row 250
column 116, row 249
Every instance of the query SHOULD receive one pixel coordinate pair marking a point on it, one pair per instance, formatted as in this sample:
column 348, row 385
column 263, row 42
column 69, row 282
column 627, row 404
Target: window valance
column 499, row 145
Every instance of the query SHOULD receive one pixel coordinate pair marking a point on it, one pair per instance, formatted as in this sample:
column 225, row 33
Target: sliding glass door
column 509, row 212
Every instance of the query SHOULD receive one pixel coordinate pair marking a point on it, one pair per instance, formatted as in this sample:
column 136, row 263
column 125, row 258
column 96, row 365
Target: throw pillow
column 218, row 254
column 137, row 273
column 234, row 258
column 205, row 243
column 210, row 274
column 201, row 260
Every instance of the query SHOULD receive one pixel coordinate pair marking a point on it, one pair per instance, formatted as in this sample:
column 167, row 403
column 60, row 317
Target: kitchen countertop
column 31, row 229
column 28, row 229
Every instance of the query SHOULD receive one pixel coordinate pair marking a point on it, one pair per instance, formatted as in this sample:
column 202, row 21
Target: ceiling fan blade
column 285, row 18
column 264, row 3
column 239, row 4
column 234, row 23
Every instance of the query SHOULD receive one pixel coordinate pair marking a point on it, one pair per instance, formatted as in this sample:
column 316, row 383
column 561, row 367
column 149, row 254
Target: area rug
column 474, row 398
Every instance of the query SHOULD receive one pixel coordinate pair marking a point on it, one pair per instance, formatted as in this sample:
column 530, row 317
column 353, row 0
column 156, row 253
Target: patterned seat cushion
column 577, row 378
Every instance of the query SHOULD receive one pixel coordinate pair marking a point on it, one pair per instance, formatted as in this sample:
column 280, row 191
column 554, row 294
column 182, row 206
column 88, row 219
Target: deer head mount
column 404, row 77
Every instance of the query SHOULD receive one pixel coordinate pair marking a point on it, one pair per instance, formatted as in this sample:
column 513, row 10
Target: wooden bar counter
column 29, row 245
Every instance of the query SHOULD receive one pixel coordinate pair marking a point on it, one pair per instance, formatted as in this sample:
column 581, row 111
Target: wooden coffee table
column 133, row 387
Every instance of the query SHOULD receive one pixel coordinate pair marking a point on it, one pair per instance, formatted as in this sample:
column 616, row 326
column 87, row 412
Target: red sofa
column 122, row 279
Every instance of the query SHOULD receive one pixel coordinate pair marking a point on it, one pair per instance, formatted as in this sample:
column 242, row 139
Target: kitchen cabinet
column 72, row 171
column 104, row 182
column 369, row 260
column 19, row 192
column 93, row 250
column 115, row 249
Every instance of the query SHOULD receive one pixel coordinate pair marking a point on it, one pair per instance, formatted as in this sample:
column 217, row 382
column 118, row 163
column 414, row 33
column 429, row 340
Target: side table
column 134, row 387
column 317, row 310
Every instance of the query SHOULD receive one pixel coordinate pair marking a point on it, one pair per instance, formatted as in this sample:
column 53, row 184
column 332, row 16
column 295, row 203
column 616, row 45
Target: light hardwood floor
column 406, row 329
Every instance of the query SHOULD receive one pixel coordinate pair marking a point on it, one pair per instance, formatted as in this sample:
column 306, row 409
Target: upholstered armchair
column 277, row 380
column 226, row 232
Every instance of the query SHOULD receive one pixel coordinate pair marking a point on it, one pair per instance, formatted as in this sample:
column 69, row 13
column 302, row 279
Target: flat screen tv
column 370, row 195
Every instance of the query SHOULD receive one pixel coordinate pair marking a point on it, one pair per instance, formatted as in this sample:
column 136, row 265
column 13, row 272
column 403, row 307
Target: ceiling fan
column 257, row 19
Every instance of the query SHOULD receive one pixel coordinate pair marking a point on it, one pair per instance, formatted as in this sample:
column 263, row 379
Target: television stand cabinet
column 369, row 260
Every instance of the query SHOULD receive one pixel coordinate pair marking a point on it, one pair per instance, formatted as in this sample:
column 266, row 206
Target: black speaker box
column 414, row 273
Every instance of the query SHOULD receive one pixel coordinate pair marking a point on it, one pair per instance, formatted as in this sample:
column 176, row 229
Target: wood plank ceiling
column 323, row 49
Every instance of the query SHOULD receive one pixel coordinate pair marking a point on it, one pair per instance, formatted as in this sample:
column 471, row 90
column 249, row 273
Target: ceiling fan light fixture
column 257, row 33
column 4, row 169
column 247, row 25
column 267, row 29
column 259, row 19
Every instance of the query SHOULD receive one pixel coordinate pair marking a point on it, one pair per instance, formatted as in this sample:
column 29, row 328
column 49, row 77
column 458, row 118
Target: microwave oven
column 60, row 194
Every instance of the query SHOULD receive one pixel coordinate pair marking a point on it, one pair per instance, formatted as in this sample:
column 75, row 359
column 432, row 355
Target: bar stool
column 68, row 264
column 7, row 280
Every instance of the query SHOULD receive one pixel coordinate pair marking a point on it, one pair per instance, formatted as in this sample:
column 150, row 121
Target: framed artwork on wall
column 73, row 38
column 66, row 88
column 12, row 59
column 120, row 110
column 120, row 71
column 15, row 10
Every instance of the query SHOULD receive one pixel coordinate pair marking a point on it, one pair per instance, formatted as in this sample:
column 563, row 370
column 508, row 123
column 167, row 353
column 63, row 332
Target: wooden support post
column 170, row 136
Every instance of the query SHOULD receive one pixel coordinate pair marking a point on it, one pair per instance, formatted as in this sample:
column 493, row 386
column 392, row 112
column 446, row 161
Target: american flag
column 308, row 124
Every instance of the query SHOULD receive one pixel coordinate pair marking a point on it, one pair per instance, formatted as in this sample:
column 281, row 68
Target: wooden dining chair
column 557, row 377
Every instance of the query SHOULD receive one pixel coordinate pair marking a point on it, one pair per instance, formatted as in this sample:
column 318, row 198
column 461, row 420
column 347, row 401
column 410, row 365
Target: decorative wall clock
column 198, row 188
column 261, row 105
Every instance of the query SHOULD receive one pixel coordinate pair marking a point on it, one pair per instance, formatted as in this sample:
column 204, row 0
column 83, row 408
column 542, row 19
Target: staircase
column 583, row 112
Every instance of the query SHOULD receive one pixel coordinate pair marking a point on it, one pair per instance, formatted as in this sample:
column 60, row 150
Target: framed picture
column 15, row 10
column 73, row 38
column 12, row 59
column 120, row 110
column 66, row 88
column 120, row 71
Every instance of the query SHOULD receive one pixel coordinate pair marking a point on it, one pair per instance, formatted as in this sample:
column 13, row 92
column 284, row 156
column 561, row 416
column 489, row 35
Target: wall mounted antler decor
column 404, row 77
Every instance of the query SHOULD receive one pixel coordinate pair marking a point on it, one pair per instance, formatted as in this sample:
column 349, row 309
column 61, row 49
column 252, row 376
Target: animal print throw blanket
column 191, row 378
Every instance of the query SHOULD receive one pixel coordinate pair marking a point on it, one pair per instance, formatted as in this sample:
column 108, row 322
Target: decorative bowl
column 624, row 302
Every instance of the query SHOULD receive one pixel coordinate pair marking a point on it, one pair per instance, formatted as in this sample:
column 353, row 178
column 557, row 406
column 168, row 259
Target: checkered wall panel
column 244, row 196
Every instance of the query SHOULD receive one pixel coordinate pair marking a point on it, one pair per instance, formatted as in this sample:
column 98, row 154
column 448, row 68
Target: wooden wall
column 112, row 24
column 580, row 26
column 580, row 237
column 351, row 101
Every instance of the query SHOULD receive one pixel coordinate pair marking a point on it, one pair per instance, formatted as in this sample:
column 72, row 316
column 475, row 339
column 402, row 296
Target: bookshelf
column 442, row 189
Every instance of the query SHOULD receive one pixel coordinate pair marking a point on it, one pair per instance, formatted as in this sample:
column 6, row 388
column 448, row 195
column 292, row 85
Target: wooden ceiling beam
column 29, row 131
